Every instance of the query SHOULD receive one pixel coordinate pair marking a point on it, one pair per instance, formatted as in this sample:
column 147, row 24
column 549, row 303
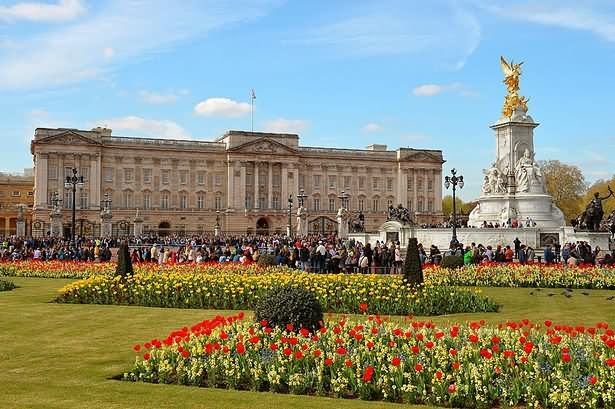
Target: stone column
column 295, row 186
column 415, row 199
column 284, row 183
column 94, row 182
column 256, row 187
column 270, row 186
column 40, row 182
column 242, row 188
column 230, row 203
column 437, row 191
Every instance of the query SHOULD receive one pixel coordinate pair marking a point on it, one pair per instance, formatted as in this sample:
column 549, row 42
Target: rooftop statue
column 512, row 73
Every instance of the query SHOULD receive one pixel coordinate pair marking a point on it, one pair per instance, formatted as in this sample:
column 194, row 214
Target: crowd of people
column 314, row 253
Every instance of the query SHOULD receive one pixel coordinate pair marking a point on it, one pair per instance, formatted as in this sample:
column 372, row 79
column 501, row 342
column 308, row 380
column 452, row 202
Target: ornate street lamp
column 454, row 181
column 73, row 182
column 290, row 214
column 301, row 196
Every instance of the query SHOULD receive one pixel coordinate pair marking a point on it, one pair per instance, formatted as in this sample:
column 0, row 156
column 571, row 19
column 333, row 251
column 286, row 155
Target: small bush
column 6, row 285
column 290, row 305
column 124, row 263
column 266, row 259
column 452, row 262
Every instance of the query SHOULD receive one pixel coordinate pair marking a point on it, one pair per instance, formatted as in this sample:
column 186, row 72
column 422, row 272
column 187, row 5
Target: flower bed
column 517, row 363
column 523, row 275
column 6, row 285
column 347, row 293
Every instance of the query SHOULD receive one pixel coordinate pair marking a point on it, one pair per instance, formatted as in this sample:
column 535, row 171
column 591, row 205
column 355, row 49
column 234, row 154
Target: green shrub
column 290, row 305
column 266, row 259
column 452, row 262
column 6, row 285
column 124, row 263
column 413, row 272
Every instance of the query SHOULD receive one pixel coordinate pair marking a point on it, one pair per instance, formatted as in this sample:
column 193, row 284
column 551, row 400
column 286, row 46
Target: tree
column 124, row 263
column 413, row 272
column 447, row 205
column 566, row 184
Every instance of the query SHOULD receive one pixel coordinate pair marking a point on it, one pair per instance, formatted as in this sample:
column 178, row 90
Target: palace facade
column 15, row 190
column 243, row 180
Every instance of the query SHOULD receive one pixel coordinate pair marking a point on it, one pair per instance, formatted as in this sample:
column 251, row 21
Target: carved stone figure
column 399, row 213
column 592, row 217
column 527, row 172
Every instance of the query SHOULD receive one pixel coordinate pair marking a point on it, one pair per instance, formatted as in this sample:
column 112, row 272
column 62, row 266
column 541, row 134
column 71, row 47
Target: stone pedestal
column 302, row 222
column 56, row 224
column 217, row 230
column 106, row 225
column 21, row 228
column 138, row 224
column 513, row 187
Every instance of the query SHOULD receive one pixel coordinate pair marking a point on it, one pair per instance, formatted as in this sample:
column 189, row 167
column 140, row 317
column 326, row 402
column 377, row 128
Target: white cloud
column 75, row 52
column 595, row 17
column 372, row 127
column 151, row 128
column 63, row 10
column 430, row 90
column 438, row 29
column 157, row 98
column 225, row 107
column 283, row 125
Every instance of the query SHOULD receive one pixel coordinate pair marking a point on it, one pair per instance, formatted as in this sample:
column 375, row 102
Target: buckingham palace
column 240, row 182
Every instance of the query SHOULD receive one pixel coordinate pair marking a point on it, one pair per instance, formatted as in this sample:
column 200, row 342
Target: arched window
column 164, row 200
column 375, row 204
column 147, row 199
column 183, row 200
column 200, row 200
column 127, row 199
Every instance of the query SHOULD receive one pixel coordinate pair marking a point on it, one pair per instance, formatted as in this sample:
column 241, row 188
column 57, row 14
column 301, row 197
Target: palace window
column 316, row 181
column 375, row 204
column 248, row 201
column 276, row 202
column 331, row 204
column 361, row 204
column 108, row 174
column 147, row 176
column 218, row 202
column 409, row 205
column 52, row 172
column 128, row 175
column 200, row 201
column 262, row 202
column 218, row 180
column 200, row 178
column 147, row 200
column 332, row 181
column 127, row 199
column 409, row 184
column 302, row 182
column 389, row 203
column 183, row 201
column 85, row 172
column 164, row 201
column 83, row 200
column 347, row 182
column 276, row 180
column 16, row 193
column 316, row 204
column 430, row 205
column 375, row 184
column 183, row 177
column 68, row 199
column 420, row 205
column 361, row 182
column 68, row 171
column 389, row 184
column 430, row 185
column 419, row 184
column 165, row 175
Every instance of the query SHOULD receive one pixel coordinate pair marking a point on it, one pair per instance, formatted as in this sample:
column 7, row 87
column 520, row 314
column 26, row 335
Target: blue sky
column 343, row 74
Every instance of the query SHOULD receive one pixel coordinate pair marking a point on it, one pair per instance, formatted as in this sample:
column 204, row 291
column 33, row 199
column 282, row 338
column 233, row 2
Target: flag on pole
column 253, row 94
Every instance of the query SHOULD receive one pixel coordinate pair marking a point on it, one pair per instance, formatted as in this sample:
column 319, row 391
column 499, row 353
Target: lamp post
column 454, row 181
column 301, row 196
column 290, row 215
column 73, row 182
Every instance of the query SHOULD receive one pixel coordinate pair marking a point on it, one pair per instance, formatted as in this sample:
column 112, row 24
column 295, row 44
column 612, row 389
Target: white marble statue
column 527, row 172
column 493, row 181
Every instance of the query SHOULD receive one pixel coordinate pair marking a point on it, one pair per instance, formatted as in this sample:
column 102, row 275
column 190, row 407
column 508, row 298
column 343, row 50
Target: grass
column 64, row 355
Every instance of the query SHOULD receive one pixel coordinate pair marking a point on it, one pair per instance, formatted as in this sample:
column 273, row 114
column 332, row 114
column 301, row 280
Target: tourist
column 549, row 257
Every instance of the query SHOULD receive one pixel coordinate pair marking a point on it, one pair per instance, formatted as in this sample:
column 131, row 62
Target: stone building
column 15, row 190
column 243, row 179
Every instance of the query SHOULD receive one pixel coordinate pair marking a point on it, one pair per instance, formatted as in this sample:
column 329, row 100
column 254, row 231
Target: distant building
column 15, row 189
column 243, row 178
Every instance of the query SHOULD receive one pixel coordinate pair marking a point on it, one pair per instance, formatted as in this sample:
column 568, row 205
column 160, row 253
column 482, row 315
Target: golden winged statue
column 512, row 72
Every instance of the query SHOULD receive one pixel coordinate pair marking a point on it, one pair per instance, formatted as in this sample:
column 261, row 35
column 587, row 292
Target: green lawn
column 63, row 356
